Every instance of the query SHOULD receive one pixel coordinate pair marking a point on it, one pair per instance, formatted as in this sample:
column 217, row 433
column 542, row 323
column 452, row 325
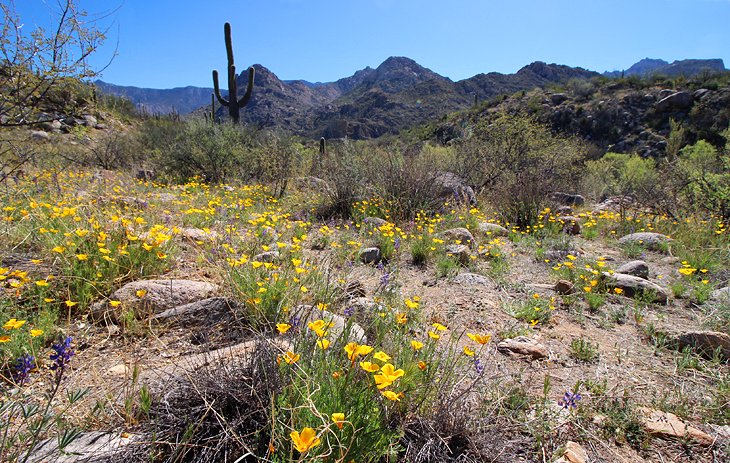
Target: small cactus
column 233, row 103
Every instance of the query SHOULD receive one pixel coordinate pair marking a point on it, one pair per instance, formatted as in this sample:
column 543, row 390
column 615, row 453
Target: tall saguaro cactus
column 233, row 103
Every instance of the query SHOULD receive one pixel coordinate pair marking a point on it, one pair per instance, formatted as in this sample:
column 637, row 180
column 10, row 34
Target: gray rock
column 211, row 310
column 462, row 235
column 523, row 346
column 571, row 225
column 649, row 240
column 564, row 210
column 145, row 174
column 52, row 126
column 313, row 183
column 493, row 229
column 558, row 98
column 471, row 279
column 614, row 204
column 453, row 188
column 633, row 286
column 374, row 222
column 39, row 135
column 268, row 256
column 665, row 93
column 675, row 101
column 568, row 199
column 160, row 296
column 89, row 447
column 196, row 234
column 89, row 120
column 721, row 295
column 460, row 251
column 700, row 93
column 341, row 326
column 705, row 342
column 370, row 255
column 637, row 268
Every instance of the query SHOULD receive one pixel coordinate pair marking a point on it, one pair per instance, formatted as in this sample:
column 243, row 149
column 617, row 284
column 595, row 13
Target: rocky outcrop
column 706, row 343
column 650, row 240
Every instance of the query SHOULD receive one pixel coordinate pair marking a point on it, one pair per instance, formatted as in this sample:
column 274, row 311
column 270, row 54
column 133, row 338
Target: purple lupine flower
column 349, row 312
column 569, row 400
column 23, row 366
column 478, row 366
column 385, row 279
column 61, row 356
column 396, row 243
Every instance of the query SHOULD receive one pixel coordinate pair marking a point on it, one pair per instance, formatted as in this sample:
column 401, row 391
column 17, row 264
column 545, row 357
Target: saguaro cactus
column 233, row 104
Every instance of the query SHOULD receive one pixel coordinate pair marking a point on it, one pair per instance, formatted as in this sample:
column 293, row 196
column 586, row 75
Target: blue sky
column 165, row 44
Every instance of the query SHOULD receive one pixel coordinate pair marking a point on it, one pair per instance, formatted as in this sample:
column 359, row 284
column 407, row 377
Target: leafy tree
column 39, row 64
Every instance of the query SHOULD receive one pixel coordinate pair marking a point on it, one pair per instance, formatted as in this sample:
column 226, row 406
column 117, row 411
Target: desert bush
column 623, row 174
column 705, row 175
column 516, row 163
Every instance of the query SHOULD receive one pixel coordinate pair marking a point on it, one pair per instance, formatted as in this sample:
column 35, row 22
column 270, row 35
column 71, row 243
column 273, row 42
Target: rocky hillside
column 181, row 100
column 618, row 115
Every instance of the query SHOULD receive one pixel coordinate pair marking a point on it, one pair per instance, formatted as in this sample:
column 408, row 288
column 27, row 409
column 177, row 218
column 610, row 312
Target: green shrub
column 706, row 174
column 517, row 163
column 623, row 174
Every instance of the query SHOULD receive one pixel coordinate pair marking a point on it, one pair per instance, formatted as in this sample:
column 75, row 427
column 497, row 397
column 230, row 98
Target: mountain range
column 396, row 95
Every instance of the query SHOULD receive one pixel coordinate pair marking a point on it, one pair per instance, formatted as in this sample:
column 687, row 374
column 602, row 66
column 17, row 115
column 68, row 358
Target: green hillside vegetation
column 184, row 290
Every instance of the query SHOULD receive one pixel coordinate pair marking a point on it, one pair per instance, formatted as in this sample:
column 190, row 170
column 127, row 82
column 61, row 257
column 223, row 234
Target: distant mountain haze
column 396, row 95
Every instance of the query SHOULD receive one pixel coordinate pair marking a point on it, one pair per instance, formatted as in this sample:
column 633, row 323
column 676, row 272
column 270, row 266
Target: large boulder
column 675, row 102
column 460, row 252
column 370, row 255
column 633, row 286
column 649, row 240
column 150, row 297
column 451, row 187
column 637, row 268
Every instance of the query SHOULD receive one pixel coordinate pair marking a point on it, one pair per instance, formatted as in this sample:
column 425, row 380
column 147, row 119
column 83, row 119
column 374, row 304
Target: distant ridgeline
column 648, row 67
column 393, row 97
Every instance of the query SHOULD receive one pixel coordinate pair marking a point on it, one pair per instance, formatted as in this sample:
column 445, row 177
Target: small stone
column 460, row 251
column 370, row 256
column 196, row 234
column 571, row 225
column 573, row 453
column 39, row 135
column 568, row 199
column 564, row 210
column 564, row 287
column 460, row 235
column 121, row 370
column 637, row 268
column 523, row 346
column 268, row 256
column 721, row 295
